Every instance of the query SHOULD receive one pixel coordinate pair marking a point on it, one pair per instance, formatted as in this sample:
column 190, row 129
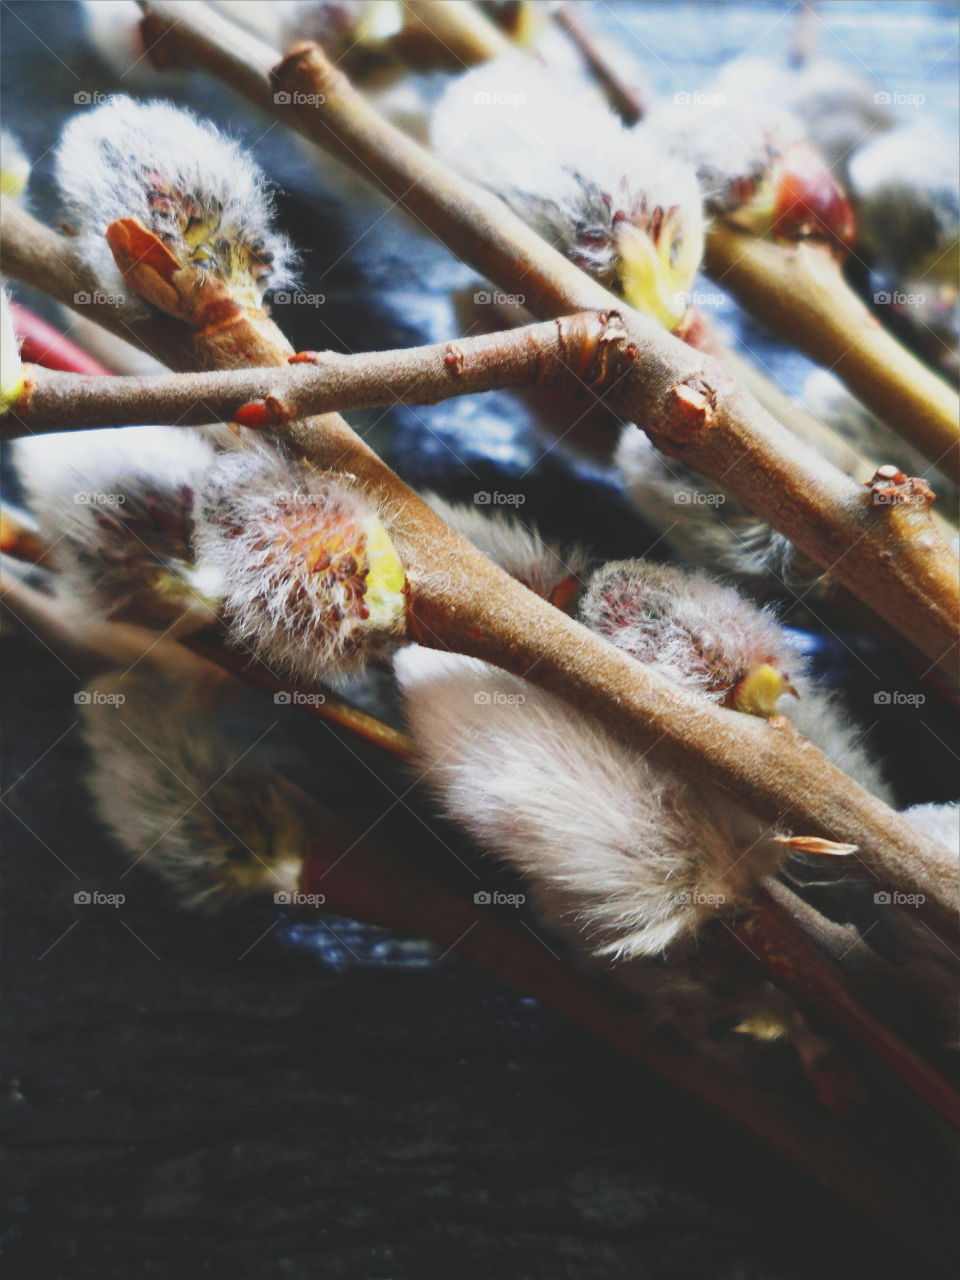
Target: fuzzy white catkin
column 183, row 798
column 116, row 508
column 310, row 581
column 182, row 179
column 565, row 164
column 733, row 143
column 629, row 854
column 708, row 637
column 517, row 548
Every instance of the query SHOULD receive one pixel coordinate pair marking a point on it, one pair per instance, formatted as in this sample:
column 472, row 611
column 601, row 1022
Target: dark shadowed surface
column 264, row 1097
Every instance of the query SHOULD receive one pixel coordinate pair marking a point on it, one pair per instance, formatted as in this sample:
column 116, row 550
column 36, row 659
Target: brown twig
column 363, row 880
column 481, row 611
column 537, row 354
column 687, row 404
column 799, row 292
column 457, row 32
column 622, row 96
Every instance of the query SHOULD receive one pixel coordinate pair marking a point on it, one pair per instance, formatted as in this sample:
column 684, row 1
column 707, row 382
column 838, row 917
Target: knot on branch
column 688, row 410
column 596, row 348
column 891, row 487
column 302, row 75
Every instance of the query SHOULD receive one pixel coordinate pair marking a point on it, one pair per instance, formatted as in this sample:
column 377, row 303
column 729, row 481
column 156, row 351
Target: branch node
column 891, row 487
column 688, row 410
column 594, row 346
column 260, row 415
column 454, row 359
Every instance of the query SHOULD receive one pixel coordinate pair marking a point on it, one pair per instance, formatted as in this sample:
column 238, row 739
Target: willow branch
column 622, row 97
column 457, row 29
column 688, row 405
column 383, row 892
column 798, row 291
column 542, row 354
column 481, row 611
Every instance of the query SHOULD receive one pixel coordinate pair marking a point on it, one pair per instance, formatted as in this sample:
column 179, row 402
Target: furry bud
column 310, row 579
column 554, row 573
column 177, row 794
column 693, row 631
column 610, row 198
column 628, row 852
column 116, row 507
column 158, row 168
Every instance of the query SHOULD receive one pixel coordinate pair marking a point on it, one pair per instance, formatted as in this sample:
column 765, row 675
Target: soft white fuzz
column 732, row 143
column 116, row 507
column 310, row 581
column 179, row 796
column 183, row 180
column 686, row 626
column 624, row 851
column 710, row 639
column 553, row 572
column 608, row 197
column 705, row 526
